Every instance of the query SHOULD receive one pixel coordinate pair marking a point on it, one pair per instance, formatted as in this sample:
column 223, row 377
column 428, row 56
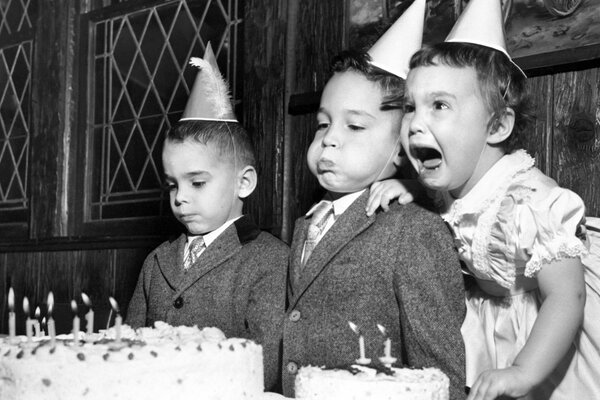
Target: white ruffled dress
column 512, row 222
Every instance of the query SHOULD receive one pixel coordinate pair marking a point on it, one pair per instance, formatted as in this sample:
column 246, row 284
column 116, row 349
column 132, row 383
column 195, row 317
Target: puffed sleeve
column 536, row 225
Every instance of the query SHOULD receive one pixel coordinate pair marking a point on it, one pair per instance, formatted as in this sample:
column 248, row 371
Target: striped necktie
column 195, row 248
column 317, row 222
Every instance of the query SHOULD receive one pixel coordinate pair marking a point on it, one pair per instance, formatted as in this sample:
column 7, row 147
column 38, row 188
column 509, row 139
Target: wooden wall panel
column 576, row 138
column 538, row 141
column 98, row 273
column 263, row 104
column 319, row 37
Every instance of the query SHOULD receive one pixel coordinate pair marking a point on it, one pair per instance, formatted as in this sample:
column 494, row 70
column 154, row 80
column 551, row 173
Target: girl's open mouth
column 429, row 157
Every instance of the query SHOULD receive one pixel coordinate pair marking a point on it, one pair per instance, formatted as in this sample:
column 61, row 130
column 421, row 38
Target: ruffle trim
column 522, row 163
column 568, row 247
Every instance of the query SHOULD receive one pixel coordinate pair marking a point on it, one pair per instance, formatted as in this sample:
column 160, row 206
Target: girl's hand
column 495, row 383
column 384, row 192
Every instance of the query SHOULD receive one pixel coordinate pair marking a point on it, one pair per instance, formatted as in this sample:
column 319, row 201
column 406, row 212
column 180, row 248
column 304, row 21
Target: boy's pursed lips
column 325, row 165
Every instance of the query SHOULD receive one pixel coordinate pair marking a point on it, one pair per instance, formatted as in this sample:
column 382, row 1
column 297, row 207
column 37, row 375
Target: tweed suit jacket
column 398, row 269
column 236, row 285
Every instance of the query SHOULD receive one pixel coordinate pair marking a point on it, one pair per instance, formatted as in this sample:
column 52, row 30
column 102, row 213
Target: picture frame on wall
column 539, row 33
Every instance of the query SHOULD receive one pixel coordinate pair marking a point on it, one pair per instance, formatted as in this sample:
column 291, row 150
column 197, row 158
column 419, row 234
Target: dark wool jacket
column 236, row 285
column 398, row 269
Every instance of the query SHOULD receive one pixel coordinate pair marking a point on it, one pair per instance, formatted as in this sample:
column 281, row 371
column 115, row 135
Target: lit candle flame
column 11, row 299
column 353, row 327
column 114, row 304
column 50, row 303
column 381, row 329
column 26, row 306
column 86, row 299
column 37, row 313
column 74, row 306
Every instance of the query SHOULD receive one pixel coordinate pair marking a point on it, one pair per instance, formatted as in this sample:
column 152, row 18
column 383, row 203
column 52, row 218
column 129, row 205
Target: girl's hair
column 501, row 83
column 230, row 139
column 391, row 85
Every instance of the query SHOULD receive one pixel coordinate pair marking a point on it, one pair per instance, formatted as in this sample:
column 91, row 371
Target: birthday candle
column 50, row 321
column 12, row 322
column 36, row 323
column 89, row 316
column 118, row 318
column 28, row 321
column 75, row 323
column 361, row 345
column 387, row 358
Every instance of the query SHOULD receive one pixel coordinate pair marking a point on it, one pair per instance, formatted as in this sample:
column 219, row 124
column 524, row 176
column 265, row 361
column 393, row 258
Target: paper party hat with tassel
column 210, row 99
column 393, row 50
column 481, row 23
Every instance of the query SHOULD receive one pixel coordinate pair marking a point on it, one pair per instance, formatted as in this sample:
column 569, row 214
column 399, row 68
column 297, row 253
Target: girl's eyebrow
column 442, row 93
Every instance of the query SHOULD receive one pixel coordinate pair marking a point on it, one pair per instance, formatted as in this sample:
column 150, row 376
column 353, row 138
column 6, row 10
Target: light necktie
column 195, row 248
column 317, row 222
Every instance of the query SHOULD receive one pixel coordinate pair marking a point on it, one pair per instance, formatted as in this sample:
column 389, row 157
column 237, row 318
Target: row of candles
column 33, row 327
column 387, row 358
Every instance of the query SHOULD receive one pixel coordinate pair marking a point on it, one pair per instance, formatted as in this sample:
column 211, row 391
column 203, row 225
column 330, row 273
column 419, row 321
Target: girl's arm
column 562, row 288
column 384, row 192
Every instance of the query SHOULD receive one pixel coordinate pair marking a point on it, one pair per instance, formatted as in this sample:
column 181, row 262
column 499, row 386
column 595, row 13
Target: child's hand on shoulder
column 512, row 382
column 384, row 192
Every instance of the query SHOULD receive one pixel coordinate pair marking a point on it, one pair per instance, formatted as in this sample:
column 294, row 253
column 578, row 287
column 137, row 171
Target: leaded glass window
column 16, row 43
column 139, row 83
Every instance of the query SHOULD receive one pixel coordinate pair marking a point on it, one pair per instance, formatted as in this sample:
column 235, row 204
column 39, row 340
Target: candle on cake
column 12, row 321
column 387, row 358
column 363, row 360
column 43, row 326
column 50, row 321
column 118, row 318
column 75, row 323
column 37, row 331
column 89, row 316
column 28, row 320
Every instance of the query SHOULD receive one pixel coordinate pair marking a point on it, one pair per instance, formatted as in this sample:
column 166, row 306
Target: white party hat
column 393, row 50
column 209, row 99
column 481, row 23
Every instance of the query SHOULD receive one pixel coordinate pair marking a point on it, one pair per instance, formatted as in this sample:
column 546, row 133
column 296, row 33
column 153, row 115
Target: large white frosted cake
column 363, row 383
column 162, row 363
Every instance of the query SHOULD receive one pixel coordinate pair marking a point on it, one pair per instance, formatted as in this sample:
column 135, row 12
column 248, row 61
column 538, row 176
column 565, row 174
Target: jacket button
column 295, row 316
column 178, row 303
column 292, row 367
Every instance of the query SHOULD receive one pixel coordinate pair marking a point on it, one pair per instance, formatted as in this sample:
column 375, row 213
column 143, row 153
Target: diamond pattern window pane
column 141, row 82
column 15, row 83
column 15, row 16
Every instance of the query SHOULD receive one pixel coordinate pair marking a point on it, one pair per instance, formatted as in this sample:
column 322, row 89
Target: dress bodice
column 513, row 221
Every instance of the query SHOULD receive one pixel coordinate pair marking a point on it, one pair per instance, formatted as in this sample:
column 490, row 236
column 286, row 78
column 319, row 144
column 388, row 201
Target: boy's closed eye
column 198, row 184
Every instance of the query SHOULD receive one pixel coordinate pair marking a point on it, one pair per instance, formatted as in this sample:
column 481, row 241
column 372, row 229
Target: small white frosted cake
column 361, row 383
column 162, row 363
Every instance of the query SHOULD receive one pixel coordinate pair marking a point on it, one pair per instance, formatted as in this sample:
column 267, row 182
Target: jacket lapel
column 350, row 224
column 223, row 248
column 171, row 267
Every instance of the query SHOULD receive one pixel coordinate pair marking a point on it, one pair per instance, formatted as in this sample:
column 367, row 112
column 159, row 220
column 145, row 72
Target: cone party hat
column 209, row 99
column 393, row 50
column 481, row 23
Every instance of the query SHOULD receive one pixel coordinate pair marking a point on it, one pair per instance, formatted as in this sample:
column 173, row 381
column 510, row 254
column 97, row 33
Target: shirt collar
column 212, row 236
column 340, row 205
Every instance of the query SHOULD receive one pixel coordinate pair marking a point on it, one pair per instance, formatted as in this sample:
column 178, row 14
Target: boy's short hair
column 501, row 83
column 230, row 139
column 391, row 85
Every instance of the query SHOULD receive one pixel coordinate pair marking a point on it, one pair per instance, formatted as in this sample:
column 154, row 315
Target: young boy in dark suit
column 398, row 269
column 223, row 272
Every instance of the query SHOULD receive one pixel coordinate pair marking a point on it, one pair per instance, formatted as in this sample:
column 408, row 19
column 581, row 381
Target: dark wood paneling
column 576, row 139
column 263, row 115
column 320, row 30
column 538, row 141
column 49, row 150
column 128, row 264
